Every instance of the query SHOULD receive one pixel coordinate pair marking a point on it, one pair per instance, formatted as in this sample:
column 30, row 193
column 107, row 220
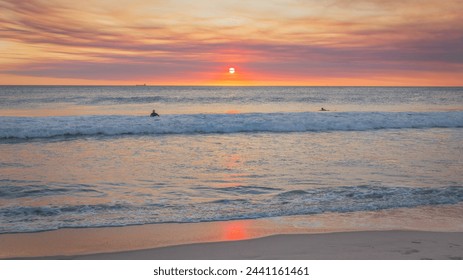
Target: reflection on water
column 235, row 230
column 126, row 100
column 117, row 170
column 154, row 163
column 235, row 171
column 99, row 181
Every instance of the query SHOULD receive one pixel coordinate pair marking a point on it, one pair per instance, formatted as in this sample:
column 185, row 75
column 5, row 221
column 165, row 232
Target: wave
column 276, row 203
column 75, row 126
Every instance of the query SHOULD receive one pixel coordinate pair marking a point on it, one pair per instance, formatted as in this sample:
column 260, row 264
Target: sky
column 268, row 42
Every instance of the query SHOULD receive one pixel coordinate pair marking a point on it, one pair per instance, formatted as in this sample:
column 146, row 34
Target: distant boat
column 144, row 85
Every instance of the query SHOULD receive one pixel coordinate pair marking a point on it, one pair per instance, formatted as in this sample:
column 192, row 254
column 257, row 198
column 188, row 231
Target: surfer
column 154, row 114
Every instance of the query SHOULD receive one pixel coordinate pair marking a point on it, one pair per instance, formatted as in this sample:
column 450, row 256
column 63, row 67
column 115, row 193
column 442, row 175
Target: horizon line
column 205, row 85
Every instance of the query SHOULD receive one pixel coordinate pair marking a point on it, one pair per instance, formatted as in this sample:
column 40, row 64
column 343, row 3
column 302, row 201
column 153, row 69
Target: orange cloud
column 281, row 42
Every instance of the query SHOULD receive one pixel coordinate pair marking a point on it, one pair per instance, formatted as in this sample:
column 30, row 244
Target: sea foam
column 275, row 203
column 76, row 126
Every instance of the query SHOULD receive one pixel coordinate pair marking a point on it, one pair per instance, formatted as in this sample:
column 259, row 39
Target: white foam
column 45, row 127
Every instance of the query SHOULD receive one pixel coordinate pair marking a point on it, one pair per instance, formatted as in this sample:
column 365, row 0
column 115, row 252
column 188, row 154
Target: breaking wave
column 243, row 205
column 75, row 126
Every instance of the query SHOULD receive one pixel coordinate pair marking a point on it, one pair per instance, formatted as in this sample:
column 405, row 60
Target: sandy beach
column 364, row 236
column 382, row 245
column 365, row 245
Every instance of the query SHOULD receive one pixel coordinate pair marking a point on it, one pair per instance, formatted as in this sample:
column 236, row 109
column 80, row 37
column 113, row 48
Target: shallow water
column 105, row 170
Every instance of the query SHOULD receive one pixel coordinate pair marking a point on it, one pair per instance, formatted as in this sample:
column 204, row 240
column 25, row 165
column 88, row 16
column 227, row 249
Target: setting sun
column 239, row 130
column 303, row 43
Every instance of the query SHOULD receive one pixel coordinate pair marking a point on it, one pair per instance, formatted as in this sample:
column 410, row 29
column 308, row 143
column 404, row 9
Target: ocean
column 89, row 156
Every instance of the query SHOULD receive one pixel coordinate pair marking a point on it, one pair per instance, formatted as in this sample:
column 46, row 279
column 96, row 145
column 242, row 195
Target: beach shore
column 381, row 245
column 364, row 245
column 416, row 233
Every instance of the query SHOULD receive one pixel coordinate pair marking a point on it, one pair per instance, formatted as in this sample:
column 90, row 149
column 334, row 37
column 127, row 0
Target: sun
column 231, row 70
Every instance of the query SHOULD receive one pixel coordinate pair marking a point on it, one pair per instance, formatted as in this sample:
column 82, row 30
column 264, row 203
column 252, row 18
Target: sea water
column 92, row 156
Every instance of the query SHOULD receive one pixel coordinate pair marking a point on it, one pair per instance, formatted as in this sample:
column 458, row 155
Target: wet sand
column 388, row 234
column 381, row 245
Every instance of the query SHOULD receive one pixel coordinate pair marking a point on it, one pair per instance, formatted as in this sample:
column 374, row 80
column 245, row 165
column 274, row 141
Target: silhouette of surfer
column 154, row 114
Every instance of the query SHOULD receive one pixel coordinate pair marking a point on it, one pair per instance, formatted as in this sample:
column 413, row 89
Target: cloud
column 177, row 39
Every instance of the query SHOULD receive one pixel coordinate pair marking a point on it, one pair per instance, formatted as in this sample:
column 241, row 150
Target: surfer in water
column 154, row 114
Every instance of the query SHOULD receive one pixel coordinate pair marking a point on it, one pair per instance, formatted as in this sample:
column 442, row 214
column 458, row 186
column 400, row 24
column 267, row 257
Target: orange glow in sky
column 281, row 42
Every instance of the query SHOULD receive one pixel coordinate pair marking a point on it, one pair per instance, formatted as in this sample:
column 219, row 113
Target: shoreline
column 362, row 245
column 117, row 242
